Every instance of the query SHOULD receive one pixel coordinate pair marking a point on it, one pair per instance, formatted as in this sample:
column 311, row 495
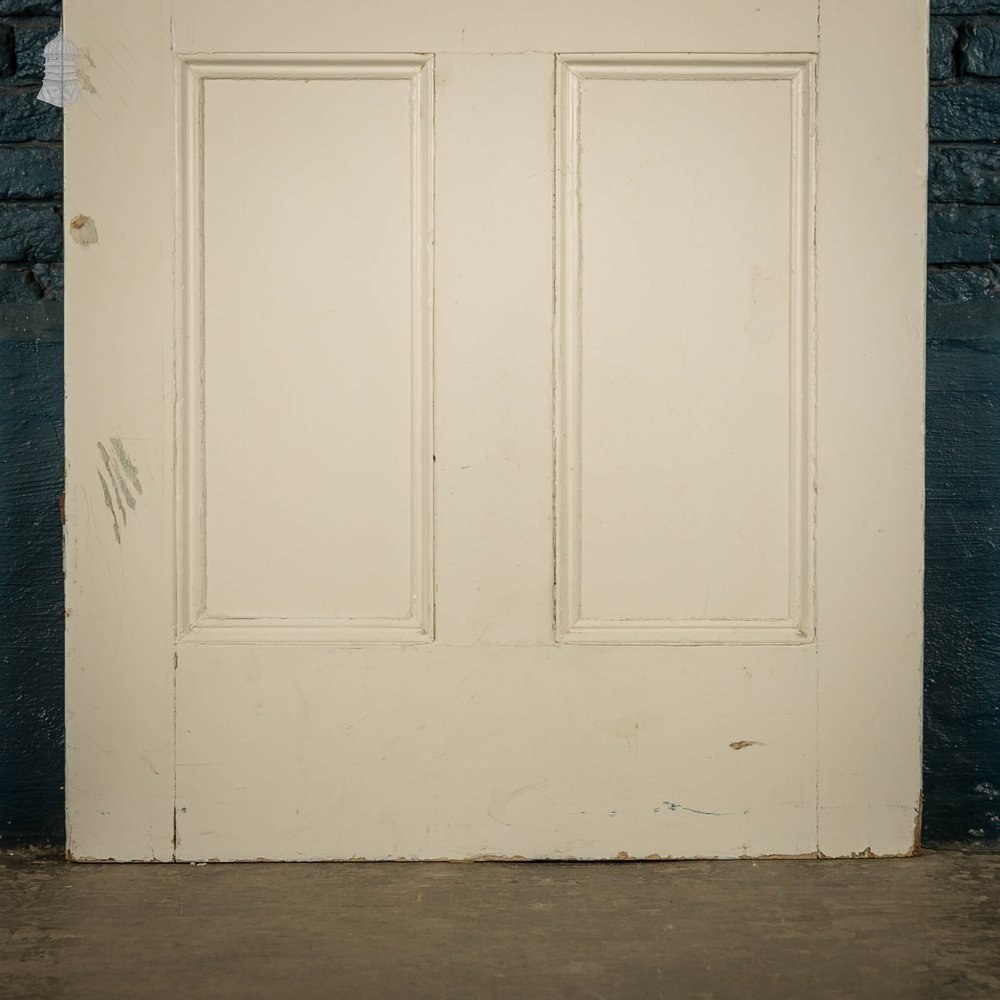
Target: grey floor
column 924, row 927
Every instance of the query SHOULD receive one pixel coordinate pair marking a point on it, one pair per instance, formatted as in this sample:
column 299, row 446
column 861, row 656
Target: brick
column 977, row 319
column 49, row 278
column 967, row 366
column 944, row 36
column 965, row 111
column 33, row 8
column 979, row 49
column 963, row 284
column 965, row 6
column 23, row 118
column 29, row 58
column 40, row 321
column 963, row 303
column 963, row 234
column 30, row 232
column 31, row 282
column 18, row 284
column 30, row 171
column 8, row 62
column 966, row 174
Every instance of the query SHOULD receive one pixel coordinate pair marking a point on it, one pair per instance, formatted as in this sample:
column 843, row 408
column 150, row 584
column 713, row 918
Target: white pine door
column 495, row 430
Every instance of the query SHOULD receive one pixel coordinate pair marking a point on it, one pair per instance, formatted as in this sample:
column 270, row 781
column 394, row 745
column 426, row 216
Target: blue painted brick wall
column 962, row 633
column 31, row 437
column 962, row 732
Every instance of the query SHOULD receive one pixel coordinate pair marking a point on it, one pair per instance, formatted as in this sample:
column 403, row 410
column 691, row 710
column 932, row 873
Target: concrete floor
column 920, row 928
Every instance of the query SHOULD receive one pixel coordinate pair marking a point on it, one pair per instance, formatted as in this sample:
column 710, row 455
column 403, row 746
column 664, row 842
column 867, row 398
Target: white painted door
column 495, row 430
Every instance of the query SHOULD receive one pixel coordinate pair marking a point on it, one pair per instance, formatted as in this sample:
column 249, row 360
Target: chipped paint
column 484, row 857
column 918, row 821
column 807, row 856
column 625, row 856
column 83, row 230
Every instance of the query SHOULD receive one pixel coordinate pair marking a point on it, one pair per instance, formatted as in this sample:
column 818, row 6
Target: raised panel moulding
column 676, row 409
column 398, row 605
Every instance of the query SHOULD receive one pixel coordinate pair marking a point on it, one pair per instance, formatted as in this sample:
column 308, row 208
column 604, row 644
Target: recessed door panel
column 686, row 346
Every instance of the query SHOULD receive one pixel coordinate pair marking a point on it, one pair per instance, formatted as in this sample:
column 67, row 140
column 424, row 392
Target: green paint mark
column 114, row 485
column 110, row 506
column 123, row 486
column 130, row 470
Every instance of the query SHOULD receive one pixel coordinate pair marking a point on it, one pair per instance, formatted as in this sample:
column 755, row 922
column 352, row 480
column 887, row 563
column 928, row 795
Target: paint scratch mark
column 675, row 807
column 743, row 744
column 126, row 492
column 130, row 470
column 498, row 806
column 122, row 478
column 110, row 505
column 82, row 75
column 106, row 459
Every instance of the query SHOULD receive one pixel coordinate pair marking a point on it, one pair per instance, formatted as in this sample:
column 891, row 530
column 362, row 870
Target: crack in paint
column 676, row 807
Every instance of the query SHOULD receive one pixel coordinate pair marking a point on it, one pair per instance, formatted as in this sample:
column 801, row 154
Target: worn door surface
column 494, row 429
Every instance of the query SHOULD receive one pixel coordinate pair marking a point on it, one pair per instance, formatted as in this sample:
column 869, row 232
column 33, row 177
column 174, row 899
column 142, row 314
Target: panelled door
column 494, row 430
